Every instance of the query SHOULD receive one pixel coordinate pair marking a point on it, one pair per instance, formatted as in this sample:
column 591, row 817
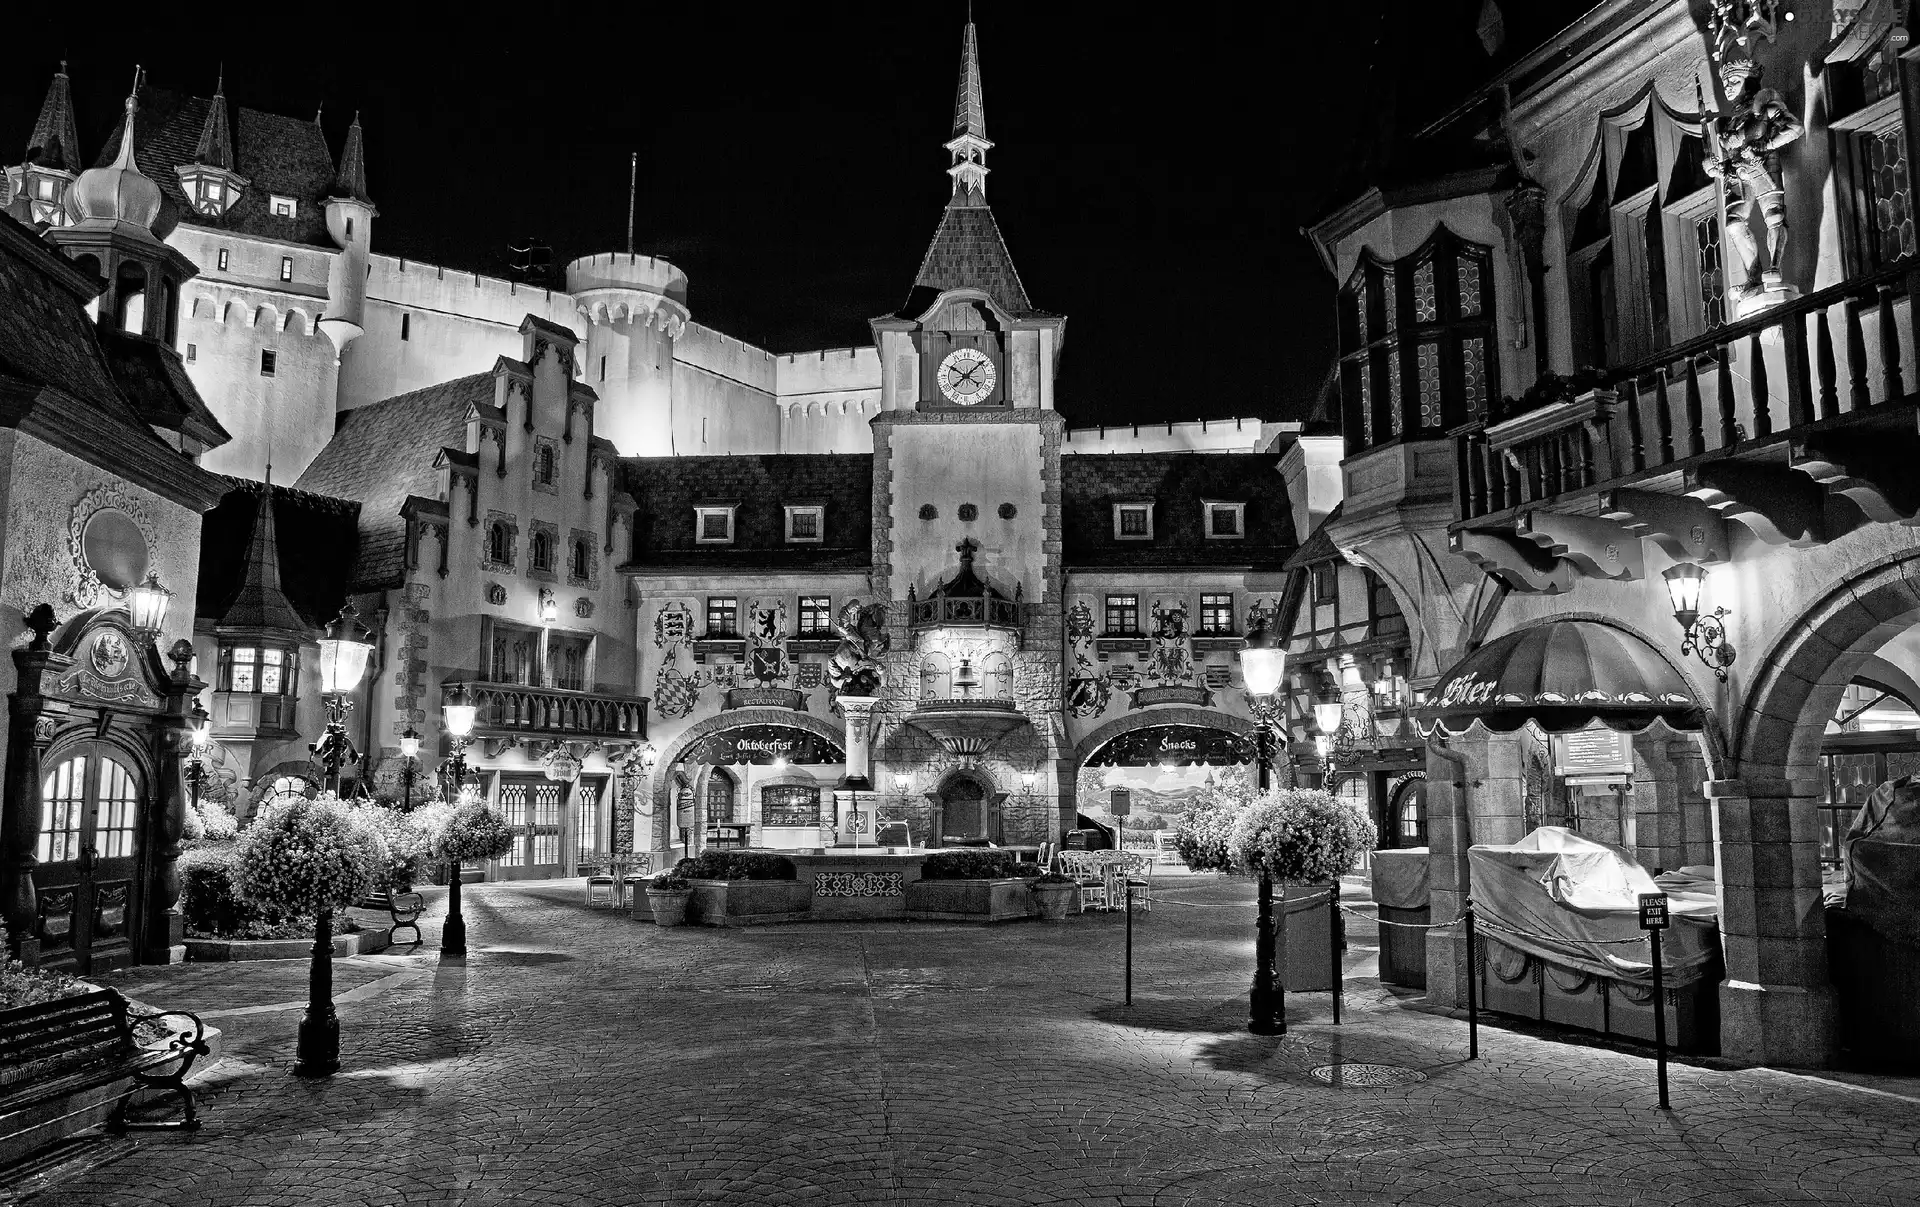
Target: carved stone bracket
column 1600, row 548
column 1866, row 466
column 1685, row 528
column 1779, row 505
column 1519, row 563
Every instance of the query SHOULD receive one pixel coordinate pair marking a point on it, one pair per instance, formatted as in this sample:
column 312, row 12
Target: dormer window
column 805, row 524
column 1133, row 521
column 282, row 207
column 1226, row 521
column 713, row 525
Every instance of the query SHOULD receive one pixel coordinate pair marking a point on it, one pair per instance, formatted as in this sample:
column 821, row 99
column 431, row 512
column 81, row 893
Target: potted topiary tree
column 1289, row 836
column 316, row 856
column 473, row 830
column 667, row 896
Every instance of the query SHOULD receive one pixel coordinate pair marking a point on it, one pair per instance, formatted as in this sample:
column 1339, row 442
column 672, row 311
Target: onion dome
column 118, row 194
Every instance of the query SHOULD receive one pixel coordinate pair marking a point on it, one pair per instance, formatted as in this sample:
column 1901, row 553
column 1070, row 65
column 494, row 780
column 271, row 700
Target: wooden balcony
column 978, row 611
column 512, row 710
column 1799, row 423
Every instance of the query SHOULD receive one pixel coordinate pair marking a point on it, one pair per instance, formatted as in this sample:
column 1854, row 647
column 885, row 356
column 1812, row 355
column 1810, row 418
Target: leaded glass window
column 1469, row 270
column 1394, row 417
column 1427, row 361
column 1890, row 193
column 1390, row 297
column 1426, row 305
column 1713, row 280
column 1473, row 373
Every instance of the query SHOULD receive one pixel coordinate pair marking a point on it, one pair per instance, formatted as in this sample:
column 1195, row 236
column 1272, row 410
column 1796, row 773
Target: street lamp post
column 1263, row 663
column 200, row 745
column 410, row 751
column 343, row 660
column 459, row 711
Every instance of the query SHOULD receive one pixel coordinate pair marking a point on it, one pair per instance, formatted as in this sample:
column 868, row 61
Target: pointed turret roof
column 56, row 138
column 351, row 179
column 967, row 251
column 215, row 148
column 969, row 104
column 260, row 603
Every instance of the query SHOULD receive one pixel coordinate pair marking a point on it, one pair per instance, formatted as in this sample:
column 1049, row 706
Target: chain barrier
column 1404, row 925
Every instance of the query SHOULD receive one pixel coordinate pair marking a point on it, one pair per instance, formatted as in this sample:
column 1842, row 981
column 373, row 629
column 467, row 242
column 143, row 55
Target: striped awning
column 1563, row 675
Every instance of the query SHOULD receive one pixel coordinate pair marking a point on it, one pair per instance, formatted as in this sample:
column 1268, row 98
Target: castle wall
column 827, row 399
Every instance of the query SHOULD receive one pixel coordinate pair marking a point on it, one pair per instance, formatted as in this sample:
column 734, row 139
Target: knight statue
column 855, row 669
column 1746, row 156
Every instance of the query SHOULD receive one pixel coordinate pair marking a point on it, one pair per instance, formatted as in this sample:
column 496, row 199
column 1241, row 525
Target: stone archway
column 1777, row 1005
column 661, row 788
column 1205, row 718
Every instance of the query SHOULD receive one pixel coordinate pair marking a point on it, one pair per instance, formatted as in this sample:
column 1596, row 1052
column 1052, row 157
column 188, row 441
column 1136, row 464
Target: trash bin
column 1400, row 890
column 1088, row 840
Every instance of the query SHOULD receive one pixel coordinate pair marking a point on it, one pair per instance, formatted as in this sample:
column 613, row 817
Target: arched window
column 540, row 551
column 582, row 560
column 545, row 465
column 936, row 677
column 131, row 298
column 499, row 546
column 720, row 797
column 996, row 676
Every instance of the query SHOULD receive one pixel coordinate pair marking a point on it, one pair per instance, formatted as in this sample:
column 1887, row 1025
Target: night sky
column 1150, row 177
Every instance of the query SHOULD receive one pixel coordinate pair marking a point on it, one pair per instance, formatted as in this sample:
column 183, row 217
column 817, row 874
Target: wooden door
column 535, row 807
column 90, row 811
column 963, row 810
column 1408, row 816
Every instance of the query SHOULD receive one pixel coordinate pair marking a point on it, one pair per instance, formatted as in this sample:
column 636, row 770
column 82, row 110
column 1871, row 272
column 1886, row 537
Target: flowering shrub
column 1204, row 834
column 218, row 822
column 473, row 830
column 1300, row 836
column 409, row 846
column 301, row 856
column 667, row 882
column 23, row 986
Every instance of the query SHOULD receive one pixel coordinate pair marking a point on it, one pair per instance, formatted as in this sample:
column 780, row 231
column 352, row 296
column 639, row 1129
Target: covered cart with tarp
column 1562, row 941
column 1559, row 928
column 1873, row 929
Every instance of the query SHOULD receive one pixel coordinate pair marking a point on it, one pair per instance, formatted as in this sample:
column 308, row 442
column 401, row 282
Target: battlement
column 397, row 281
column 827, row 370
column 623, row 270
column 1190, row 436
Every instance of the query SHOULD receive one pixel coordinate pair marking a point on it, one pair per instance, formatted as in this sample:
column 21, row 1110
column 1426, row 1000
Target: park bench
column 59, row 1049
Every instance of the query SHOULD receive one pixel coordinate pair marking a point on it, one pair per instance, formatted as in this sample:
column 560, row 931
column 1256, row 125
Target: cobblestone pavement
column 577, row 1057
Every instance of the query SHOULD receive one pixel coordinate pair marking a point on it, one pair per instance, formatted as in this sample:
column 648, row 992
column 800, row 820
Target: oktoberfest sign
column 1180, row 745
column 763, row 745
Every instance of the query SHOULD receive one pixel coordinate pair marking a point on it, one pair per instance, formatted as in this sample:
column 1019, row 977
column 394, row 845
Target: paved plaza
column 577, row 1057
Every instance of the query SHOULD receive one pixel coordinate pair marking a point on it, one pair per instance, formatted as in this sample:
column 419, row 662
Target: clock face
column 966, row 376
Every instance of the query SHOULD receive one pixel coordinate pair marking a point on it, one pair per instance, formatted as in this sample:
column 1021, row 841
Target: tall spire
column 215, row 148
column 56, row 140
column 969, row 144
column 351, row 179
column 260, row 602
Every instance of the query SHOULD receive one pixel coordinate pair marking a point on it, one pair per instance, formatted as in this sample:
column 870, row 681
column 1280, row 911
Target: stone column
column 1449, row 833
column 1777, row 1005
column 857, row 712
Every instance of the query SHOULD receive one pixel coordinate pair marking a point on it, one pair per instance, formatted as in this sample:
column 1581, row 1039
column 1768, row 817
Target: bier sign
column 1122, row 802
column 1653, row 911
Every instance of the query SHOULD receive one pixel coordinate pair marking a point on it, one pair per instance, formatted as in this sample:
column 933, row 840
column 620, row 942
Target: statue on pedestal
column 1744, row 153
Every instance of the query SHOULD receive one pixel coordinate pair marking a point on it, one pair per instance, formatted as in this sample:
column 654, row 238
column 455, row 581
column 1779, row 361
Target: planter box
column 30, row 1129
column 216, row 951
column 745, row 902
column 1403, row 950
column 969, row 900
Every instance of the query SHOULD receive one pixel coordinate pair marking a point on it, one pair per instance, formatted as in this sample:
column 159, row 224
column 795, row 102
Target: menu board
column 785, row 805
column 1588, row 752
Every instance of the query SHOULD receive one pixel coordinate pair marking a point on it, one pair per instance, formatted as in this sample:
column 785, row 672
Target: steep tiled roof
column 351, row 179
column 320, row 531
column 666, row 489
column 55, row 142
column 46, row 339
column 1091, row 484
column 215, row 148
column 151, row 375
column 969, row 103
column 276, row 155
column 384, row 452
column 967, row 252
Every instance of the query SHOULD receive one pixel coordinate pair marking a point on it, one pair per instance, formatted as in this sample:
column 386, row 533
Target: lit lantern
column 1028, row 778
column 901, row 782
column 410, row 744
column 460, row 712
column 201, row 729
column 1683, row 588
column 1263, row 662
column 1327, row 708
column 147, row 605
column 343, row 654
column 549, row 607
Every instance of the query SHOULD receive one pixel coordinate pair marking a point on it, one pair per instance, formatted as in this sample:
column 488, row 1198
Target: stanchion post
column 1653, row 920
column 1129, row 941
column 1473, row 987
column 1333, row 945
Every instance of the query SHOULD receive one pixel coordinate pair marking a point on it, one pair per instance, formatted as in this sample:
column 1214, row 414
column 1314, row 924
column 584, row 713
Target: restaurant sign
column 763, row 745
column 1179, row 745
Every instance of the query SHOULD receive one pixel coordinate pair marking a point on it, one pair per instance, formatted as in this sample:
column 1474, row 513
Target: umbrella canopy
column 1563, row 675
